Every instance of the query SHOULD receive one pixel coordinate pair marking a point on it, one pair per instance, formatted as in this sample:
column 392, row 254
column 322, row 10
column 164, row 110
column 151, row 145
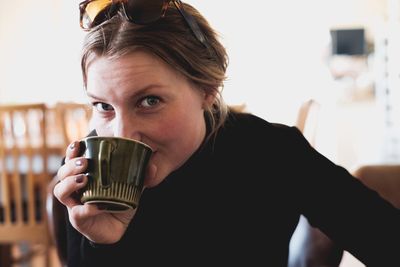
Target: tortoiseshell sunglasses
column 95, row 12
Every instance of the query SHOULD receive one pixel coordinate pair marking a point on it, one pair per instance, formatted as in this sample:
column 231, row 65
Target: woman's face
column 138, row 96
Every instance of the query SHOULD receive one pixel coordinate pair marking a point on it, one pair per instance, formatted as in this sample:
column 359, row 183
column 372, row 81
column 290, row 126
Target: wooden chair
column 238, row 108
column 307, row 119
column 24, row 178
column 73, row 121
column 383, row 178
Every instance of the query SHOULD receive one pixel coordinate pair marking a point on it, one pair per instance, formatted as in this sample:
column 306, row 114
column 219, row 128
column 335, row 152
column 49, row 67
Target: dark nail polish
column 72, row 146
column 79, row 179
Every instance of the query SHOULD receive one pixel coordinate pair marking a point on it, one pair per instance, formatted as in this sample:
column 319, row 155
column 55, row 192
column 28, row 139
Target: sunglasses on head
column 95, row 12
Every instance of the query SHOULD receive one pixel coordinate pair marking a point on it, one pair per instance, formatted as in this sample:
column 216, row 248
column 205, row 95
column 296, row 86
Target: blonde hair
column 171, row 39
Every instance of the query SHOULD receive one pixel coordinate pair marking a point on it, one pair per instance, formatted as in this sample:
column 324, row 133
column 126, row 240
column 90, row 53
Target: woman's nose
column 125, row 126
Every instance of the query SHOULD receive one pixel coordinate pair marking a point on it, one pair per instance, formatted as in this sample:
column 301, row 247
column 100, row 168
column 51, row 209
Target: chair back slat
column 16, row 201
column 73, row 120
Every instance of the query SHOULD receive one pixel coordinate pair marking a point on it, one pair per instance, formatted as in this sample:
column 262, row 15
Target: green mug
column 116, row 171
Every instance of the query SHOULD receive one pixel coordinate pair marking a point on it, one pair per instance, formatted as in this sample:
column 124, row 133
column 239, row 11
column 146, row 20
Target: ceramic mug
column 116, row 171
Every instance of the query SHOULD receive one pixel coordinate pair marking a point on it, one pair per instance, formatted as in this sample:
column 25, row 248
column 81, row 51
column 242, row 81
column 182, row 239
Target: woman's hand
column 98, row 225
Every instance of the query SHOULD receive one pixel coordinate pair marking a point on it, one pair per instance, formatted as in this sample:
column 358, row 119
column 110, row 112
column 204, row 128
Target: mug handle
column 105, row 151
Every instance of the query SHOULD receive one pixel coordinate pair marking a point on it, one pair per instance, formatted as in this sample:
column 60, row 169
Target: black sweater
column 237, row 201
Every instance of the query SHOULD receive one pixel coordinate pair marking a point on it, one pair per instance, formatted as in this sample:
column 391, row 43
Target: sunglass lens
column 144, row 11
column 95, row 12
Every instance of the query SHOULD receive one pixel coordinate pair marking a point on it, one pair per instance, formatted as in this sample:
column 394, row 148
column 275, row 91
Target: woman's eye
column 103, row 107
column 149, row 101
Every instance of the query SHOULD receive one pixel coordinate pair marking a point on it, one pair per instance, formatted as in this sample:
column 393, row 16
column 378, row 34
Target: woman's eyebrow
column 137, row 94
column 94, row 96
column 143, row 91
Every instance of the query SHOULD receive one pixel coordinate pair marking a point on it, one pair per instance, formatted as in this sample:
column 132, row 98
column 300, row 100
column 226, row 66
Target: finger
column 72, row 167
column 66, row 190
column 81, row 212
column 72, row 151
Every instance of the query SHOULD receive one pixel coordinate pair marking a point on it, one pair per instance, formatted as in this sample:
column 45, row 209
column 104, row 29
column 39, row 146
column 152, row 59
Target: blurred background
column 342, row 54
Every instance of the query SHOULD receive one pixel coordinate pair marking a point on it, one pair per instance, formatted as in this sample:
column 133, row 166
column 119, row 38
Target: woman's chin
column 153, row 182
column 153, row 177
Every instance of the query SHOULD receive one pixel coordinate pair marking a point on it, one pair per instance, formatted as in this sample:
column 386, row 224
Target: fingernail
column 72, row 146
column 78, row 163
column 79, row 179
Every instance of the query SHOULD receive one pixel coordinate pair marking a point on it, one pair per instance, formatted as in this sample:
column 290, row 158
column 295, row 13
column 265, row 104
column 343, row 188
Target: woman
column 222, row 187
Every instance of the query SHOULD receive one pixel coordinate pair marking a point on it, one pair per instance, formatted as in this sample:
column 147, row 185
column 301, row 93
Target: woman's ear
column 209, row 99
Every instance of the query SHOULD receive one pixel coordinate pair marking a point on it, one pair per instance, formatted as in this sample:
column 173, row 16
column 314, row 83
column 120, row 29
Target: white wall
column 276, row 49
column 39, row 51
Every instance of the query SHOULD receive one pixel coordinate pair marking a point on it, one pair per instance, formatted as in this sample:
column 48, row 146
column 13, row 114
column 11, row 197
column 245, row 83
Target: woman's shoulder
column 250, row 124
column 259, row 132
